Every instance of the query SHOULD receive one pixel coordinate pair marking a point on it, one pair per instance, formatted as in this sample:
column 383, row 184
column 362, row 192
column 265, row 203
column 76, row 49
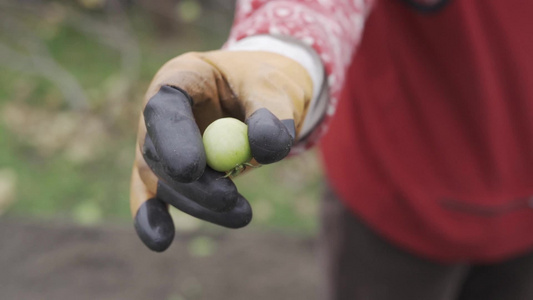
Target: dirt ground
column 53, row 260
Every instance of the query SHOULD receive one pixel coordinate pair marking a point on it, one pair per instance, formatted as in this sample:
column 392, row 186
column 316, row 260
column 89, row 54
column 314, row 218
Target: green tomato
column 226, row 145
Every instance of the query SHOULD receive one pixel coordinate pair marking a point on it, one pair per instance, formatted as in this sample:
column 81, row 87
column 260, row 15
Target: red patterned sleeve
column 333, row 28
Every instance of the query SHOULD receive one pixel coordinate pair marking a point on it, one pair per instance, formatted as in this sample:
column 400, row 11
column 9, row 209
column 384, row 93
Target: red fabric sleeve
column 332, row 27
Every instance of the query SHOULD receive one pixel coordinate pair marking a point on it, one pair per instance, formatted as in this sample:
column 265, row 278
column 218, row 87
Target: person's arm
column 327, row 33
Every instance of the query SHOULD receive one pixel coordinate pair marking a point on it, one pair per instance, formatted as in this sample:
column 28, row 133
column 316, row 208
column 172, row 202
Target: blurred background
column 72, row 77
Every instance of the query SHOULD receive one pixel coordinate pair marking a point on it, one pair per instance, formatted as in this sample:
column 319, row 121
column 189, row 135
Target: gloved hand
column 268, row 91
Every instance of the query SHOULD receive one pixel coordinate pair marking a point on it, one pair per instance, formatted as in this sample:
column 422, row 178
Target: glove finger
column 270, row 139
column 203, row 83
column 154, row 225
column 239, row 216
column 152, row 221
column 176, row 138
column 211, row 190
column 275, row 106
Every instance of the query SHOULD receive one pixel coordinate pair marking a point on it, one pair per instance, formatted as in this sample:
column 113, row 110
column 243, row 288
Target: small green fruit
column 226, row 146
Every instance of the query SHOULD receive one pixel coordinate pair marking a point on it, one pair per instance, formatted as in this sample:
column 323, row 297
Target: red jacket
column 432, row 141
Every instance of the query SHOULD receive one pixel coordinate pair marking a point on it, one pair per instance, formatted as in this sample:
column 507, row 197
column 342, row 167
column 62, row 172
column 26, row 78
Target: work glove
column 268, row 91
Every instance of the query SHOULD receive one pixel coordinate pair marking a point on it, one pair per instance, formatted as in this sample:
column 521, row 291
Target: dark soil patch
column 42, row 260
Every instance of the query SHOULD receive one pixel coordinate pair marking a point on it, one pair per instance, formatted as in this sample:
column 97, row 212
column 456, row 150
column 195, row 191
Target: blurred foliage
column 72, row 78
